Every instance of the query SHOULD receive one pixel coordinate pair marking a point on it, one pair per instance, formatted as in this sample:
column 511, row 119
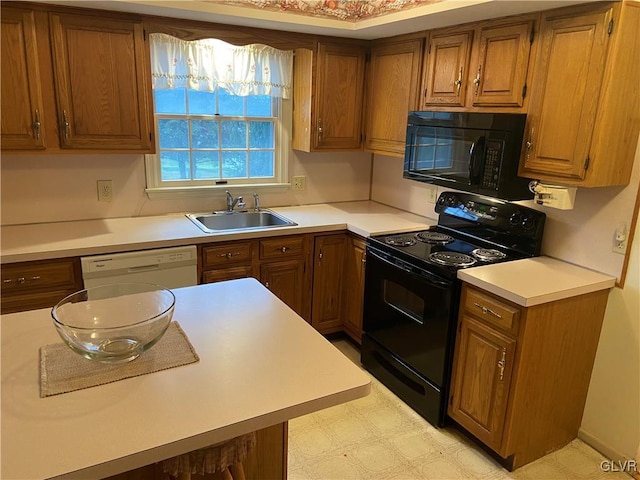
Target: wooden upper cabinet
column 503, row 58
column 328, row 94
column 447, row 68
column 583, row 121
column 72, row 81
column 478, row 66
column 100, row 79
column 22, row 120
column 392, row 91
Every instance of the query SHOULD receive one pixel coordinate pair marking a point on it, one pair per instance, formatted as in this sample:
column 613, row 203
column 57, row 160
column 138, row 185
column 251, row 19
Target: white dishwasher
column 170, row 267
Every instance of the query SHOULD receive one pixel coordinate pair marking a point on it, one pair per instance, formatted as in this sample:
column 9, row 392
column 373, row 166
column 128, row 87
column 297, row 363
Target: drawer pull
column 284, row 249
column 21, row 280
column 486, row 310
column 228, row 254
column 502, row 363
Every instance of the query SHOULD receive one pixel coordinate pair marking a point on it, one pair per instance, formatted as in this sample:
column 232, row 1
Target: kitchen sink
column 238, row 220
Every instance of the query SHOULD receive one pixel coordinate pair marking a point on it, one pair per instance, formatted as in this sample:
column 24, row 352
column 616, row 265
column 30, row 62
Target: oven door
column 409, row 312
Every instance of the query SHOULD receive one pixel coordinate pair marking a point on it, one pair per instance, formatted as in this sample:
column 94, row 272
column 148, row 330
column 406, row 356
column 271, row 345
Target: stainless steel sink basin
column 239, row 220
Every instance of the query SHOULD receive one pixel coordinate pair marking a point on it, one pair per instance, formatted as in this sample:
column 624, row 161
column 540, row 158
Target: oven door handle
column 423, row 275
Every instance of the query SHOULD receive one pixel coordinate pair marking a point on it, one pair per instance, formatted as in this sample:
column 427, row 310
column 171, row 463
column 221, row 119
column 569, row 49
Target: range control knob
column 451, row 201
column 441, row 200
column 528, row 223
column 515, row 218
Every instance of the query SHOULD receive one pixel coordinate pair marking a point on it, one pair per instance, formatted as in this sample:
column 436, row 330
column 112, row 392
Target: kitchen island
column 260, row 365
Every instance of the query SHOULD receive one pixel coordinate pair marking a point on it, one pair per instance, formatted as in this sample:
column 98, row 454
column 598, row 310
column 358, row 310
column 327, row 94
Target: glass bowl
column 114, row 323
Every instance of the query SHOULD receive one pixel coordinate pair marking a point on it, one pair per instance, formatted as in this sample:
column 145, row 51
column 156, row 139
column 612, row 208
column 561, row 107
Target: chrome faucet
column 232, row 202
column 256, row 202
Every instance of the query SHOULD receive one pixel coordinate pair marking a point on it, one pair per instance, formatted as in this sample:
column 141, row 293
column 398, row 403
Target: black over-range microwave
column 469, row 151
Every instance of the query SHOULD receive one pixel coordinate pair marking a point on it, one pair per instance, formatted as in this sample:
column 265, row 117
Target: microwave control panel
column 492, row 162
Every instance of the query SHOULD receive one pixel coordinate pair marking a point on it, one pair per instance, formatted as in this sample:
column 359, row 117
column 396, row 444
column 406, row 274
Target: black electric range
column 412, row 292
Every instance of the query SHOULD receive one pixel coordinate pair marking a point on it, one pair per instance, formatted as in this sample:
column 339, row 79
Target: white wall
column 583, row 236
column 48, row 188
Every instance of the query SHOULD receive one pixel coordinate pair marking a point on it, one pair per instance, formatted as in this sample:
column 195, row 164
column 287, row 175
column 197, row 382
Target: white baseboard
column 605, row 450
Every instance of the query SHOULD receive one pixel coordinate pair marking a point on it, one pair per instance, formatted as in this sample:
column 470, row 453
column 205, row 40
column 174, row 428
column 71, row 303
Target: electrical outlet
column 620, row 239
column 299, row 182
column 432, row 193
column 105, row 190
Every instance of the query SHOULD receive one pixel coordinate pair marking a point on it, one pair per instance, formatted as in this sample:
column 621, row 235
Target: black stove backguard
column 411, row 301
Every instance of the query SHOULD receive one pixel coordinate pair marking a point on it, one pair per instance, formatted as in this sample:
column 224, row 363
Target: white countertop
column 91, row 237
column 260, row 364
column 533, row 281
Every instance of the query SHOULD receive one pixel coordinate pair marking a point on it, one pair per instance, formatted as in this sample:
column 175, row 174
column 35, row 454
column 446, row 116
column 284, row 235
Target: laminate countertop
column 533, row 281
column 44, row 241
column 260, row 365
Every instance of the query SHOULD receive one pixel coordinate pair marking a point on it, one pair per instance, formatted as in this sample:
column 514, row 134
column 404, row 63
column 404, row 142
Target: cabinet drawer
column 232, row 273
column 30, row 276
column 226, row 254
column 490, row 309
column 281, row 247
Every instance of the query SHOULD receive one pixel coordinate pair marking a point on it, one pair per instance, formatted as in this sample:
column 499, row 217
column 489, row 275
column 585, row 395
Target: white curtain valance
column 210, row 64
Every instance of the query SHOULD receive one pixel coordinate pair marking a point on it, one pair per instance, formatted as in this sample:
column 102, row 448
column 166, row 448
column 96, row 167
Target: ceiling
column 414, row 16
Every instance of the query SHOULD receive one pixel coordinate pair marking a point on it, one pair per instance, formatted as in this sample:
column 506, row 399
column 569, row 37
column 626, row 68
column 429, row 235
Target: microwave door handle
column 476, row 157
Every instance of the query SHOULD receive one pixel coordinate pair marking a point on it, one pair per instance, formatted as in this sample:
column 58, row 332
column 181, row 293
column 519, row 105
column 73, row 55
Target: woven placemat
column 63, row 371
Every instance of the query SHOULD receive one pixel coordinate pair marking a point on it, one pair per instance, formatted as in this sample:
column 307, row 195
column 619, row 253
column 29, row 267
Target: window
column 215, row 130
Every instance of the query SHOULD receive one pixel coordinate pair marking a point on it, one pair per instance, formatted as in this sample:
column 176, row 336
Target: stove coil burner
column 488, row 254
column 434, row 237
column 400, row 241
column 452, row 259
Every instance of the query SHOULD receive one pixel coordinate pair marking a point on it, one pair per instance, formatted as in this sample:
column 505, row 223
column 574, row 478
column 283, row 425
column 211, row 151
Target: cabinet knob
column 320, row 255
column 476, row 81
column 36, row 124
column 320, row 130
column 266, row 284
column 529, row 144
column 502, row 363
column 458, row 82
column 65, row 125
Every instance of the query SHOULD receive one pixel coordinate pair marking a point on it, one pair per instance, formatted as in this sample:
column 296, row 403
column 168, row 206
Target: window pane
column 234, row 134
column 260, row 135
column 259, row 106
column 173, row 133
column 204, row 134
column 230, row 104
column 174, row 166
column 202, row 103
column 234, row 164
column 261, row 164
column 206, row 165
column 170, row 101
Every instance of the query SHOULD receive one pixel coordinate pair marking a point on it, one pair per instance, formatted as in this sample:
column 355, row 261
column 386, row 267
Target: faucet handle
column 256, row 202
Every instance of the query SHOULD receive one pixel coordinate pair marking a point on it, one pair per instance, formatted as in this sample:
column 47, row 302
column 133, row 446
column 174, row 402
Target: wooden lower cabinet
column 328, row 282
column 280, row 263
column 38, row 284
column 354, row 288
column 521, row 375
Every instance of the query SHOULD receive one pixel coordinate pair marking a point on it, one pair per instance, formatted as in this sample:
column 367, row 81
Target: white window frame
column 156, row 189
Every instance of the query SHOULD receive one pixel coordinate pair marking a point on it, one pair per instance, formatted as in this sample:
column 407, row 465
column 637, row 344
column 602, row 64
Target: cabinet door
column 502, row 65
column 328, row 278
column 447, row 69
column 22, row 122
column 338, row 97
column 566, row 88
column 392, row 91
column 102, row 83
column 286, row 280
column 480, row 385
column 355, row 288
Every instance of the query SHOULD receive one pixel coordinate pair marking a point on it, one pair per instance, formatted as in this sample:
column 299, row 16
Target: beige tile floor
column 380, row 437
